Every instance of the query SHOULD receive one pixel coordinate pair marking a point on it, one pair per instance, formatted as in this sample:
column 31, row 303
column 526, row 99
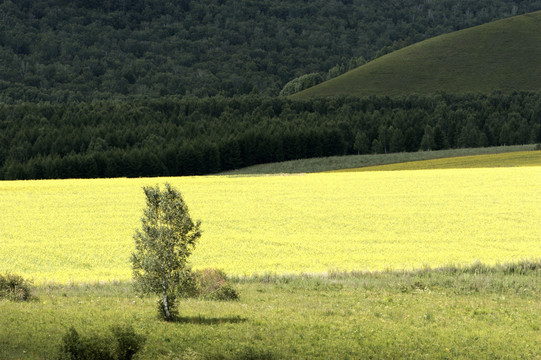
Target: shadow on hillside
column 202, row 320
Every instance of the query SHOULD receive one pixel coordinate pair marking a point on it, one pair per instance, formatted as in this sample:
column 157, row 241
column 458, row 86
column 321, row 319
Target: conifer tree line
column 174, row 137
column 65, row 51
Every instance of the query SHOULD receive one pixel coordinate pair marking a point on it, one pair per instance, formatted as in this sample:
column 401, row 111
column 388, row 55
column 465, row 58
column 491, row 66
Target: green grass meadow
column 478, row 312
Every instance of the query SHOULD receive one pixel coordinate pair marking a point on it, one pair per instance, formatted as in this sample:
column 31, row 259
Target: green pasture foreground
column 473, row 314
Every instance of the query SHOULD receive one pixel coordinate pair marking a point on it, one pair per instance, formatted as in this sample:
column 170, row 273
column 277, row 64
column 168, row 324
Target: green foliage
column 76, row 347
column 213, row 285
column 63, row 51
column 14, row 287
column 162, row 247
column 301, row 83
column 71, row 347
column 362, row 143
column 188, row 286
column 128, row 342
column 428, row 142
column 341, row 69
column 210, row 284
column 174, row 137
column 122, row 345
column 225, row 292
column 210, row 280
column 168, row 311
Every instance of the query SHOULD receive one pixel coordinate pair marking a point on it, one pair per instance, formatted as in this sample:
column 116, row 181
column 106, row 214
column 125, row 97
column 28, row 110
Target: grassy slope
column 519, row 158
column 502, row 55
column 334, row 163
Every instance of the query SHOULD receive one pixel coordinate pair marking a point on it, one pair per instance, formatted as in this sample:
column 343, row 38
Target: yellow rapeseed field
column 81, row 230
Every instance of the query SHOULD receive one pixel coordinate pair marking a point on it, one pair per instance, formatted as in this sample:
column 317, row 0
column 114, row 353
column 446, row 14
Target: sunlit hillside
column 502, row 55
column 511, row 159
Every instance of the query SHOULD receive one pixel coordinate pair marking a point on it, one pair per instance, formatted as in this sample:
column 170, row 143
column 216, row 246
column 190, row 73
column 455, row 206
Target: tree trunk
column 165, row 305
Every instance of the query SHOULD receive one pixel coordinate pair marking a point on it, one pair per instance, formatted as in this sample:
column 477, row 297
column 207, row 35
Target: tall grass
column 476, row 311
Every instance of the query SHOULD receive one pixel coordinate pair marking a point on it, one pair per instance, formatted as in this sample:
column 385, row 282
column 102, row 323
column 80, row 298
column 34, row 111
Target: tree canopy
column 171, row 137
column 162, row 247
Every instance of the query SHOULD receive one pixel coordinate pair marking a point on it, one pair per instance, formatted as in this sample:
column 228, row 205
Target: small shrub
column 128, row 343
column 209, row 284
column 76, row 347
column 538, row 146
column 123, row 345
column 71, row 347
column 14, row 287
column 98, row 348
column 224, row 293
column 210, row 280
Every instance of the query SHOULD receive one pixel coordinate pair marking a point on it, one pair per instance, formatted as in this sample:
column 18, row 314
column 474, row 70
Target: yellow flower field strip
column 81, row 230
column 520, row 158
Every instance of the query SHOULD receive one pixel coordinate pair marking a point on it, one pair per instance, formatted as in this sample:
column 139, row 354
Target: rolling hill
column 73, row 51
column 501, row 55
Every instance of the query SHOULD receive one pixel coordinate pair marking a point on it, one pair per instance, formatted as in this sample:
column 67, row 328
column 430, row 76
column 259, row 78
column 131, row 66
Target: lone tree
column 162, row 247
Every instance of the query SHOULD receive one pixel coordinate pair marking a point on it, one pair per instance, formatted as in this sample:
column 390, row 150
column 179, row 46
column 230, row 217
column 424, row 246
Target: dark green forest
column 201, row 136
column 108, row 88
column 81, row 50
